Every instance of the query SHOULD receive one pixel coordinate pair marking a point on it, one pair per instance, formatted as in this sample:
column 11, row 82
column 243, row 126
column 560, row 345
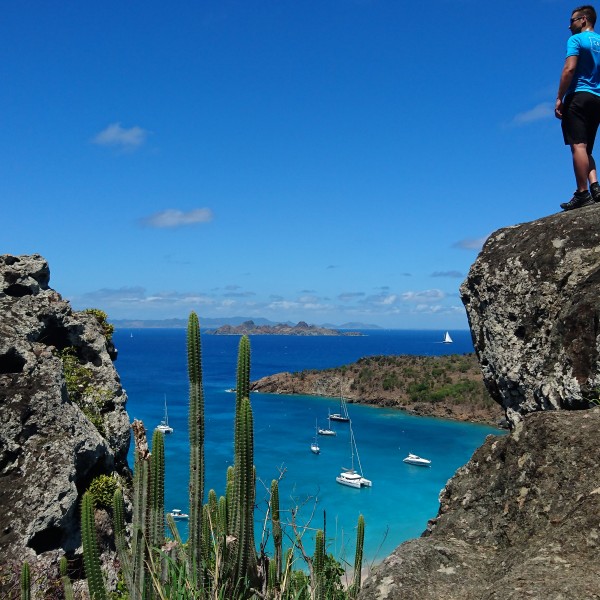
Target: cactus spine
column 25, row 582
column 358, row 557
column 91, row 557
column 196, row 433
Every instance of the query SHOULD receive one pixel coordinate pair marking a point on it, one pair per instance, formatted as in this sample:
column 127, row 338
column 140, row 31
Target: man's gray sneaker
column 578, row 200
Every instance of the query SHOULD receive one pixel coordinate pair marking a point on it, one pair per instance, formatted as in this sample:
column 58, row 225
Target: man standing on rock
column 578, row 104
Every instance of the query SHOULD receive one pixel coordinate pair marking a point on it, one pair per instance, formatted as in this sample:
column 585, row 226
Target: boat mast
column 356, row 450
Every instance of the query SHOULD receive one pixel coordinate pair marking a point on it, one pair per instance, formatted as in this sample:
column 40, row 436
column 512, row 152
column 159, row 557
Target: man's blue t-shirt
column 586, row 46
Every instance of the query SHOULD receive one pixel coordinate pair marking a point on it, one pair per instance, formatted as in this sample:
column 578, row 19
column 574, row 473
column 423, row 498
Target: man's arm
column 565, row 80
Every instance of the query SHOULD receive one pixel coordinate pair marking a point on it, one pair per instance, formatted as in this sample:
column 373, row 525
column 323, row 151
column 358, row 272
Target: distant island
column 213, row 323
column 302, row 328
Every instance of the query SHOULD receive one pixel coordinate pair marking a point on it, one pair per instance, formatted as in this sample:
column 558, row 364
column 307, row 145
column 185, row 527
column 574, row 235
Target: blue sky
column 327, row 161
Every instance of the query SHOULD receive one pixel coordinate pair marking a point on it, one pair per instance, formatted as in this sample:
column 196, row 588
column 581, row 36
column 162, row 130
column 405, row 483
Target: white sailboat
column 314, row 447
column 447, row 339
column 343, row 414
column 350, row 477
column 164, row 424
column 328, row 431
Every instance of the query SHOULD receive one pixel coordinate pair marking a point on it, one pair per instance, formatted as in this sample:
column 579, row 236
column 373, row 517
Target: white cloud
column 545, row 110
column 125, row 139
column 177, row 218
column 424, row 296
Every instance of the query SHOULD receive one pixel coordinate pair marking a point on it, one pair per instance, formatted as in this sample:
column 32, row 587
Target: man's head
column 583, row 18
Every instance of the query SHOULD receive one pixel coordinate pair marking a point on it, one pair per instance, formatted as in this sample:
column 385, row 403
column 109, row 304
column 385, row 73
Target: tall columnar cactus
column 157, row 484
column 141, row 507
column 276, row 527
column 242, row 388
column 358, row 557
column 121, row 540
column 91, row 556
column 66, row 581
column 319, row 566
column 196, row 433
column 243, row 504
column 25, row 582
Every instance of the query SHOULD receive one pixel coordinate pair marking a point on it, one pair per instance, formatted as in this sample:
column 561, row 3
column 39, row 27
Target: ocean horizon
column 152, row 364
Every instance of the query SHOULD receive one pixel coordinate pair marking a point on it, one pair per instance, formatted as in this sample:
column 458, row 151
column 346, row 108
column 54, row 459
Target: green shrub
column 107, row 328
column 103, row 489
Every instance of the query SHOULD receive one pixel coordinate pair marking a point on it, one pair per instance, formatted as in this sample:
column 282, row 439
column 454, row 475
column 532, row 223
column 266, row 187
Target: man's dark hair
column 589, row 11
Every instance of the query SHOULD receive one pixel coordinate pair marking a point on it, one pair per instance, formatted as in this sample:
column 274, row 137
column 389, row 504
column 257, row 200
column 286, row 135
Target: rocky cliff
column 62, row 414
column 533, row 303
column 522, row 518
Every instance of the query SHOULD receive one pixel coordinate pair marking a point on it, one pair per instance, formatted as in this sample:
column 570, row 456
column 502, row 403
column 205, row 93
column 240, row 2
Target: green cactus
column 242, row 389
column 121, row 539
column 196, row 433
column 25, row 582
column 222, row 517
column 157, row 500
column 319, row 566
column 66, row 581
column 243, row 525
column 141, row 507
column 91, row 556
column 358, row 557
column 244, row 474
column 276, row 527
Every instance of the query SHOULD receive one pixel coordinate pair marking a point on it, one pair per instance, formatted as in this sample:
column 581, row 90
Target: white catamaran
column 164, row 424
column 350, row 477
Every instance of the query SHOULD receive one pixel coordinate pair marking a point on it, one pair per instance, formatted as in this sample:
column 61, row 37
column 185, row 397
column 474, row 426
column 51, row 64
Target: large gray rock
column 50, row 449
column 533, row 302
column 520, row 520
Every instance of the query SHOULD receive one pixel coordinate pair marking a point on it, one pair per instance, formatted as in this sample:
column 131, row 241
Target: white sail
column 447, row 338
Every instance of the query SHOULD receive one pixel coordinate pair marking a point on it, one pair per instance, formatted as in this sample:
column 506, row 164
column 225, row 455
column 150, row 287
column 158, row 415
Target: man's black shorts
column 581, row 116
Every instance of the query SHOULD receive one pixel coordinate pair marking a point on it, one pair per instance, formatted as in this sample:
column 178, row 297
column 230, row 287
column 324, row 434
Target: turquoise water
column 153, row 363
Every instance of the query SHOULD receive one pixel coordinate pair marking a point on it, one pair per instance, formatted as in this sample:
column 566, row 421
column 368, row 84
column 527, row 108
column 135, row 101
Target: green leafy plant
column 107, row 328
column 103, row 489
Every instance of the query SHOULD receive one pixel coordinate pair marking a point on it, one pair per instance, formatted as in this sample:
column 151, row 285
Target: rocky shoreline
column 449, row 387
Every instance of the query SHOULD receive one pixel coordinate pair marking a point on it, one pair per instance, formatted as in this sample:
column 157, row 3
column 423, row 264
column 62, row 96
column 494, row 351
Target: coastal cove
column 152, row 364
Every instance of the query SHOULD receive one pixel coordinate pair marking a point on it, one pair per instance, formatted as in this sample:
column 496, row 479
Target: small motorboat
column 178, row 515
column 413, row 459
